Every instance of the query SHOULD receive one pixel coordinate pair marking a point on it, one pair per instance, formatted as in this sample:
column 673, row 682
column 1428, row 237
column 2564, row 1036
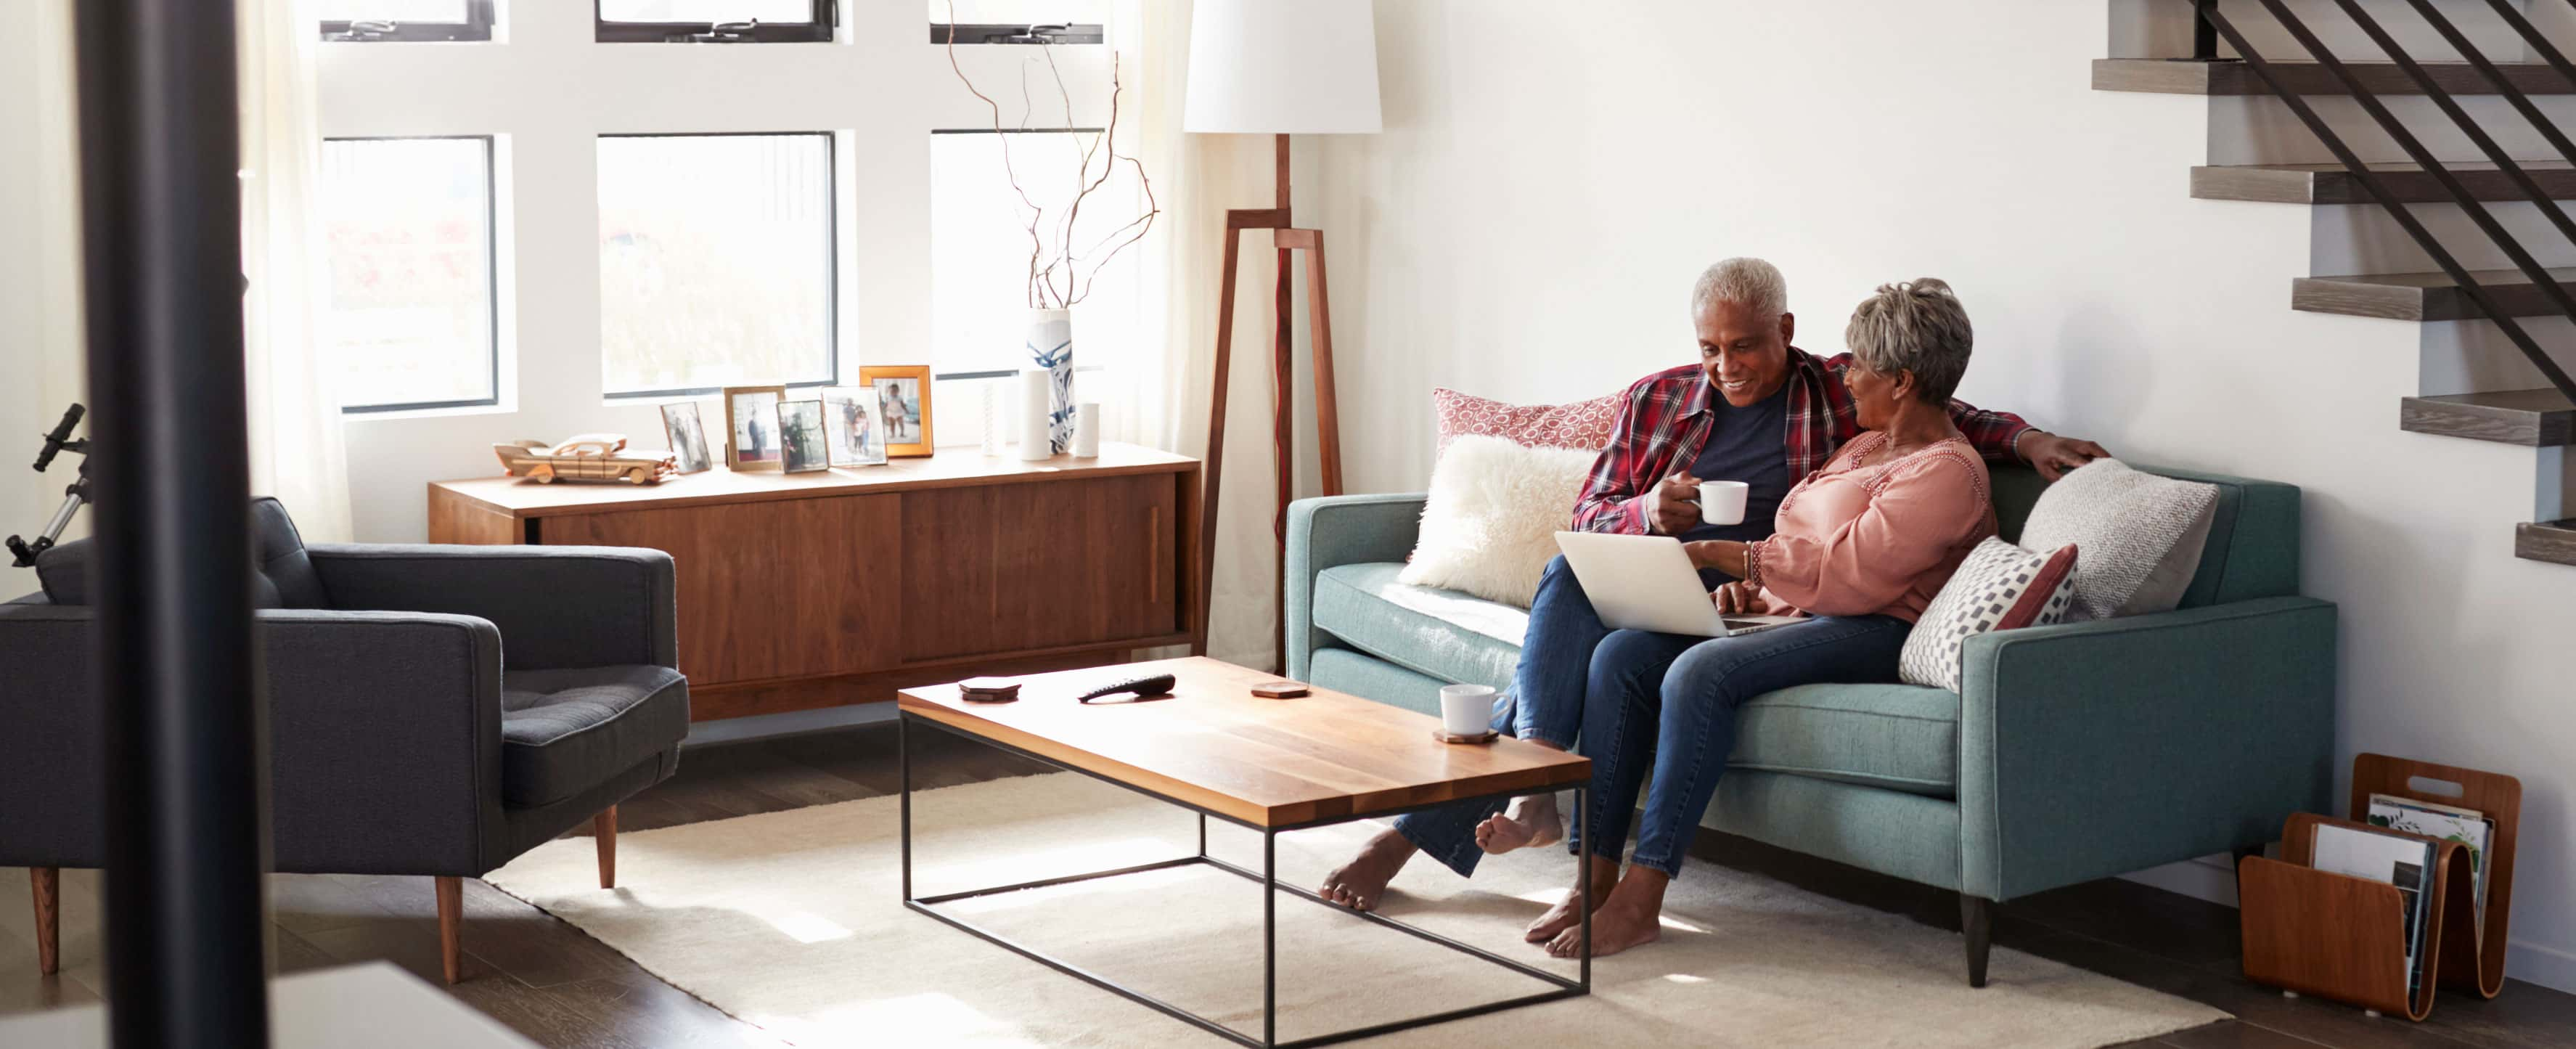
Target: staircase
column 2459, row 211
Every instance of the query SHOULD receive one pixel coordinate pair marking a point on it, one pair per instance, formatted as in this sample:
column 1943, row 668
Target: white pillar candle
column 1086, row 430
column 1034, row 439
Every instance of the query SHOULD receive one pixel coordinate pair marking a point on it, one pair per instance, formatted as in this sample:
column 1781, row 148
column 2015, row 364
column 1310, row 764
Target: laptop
column 1646, row 582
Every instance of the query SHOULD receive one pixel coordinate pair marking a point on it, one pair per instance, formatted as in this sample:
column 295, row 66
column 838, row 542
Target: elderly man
column 1754, row 409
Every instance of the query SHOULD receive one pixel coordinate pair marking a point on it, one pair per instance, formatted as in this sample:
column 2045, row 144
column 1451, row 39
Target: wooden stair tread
column 2551, row 541
column 2425, row 296
column 2333, row 184
column 2172, row 77
column 2535, row 418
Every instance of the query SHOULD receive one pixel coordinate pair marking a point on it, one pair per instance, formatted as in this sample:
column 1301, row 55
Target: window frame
column 982, row 33
column 831, row 265
column 477, row 28
column 491, row 271
column 817, row 30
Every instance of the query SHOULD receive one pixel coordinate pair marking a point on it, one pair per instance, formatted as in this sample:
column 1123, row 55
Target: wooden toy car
column 586, row 457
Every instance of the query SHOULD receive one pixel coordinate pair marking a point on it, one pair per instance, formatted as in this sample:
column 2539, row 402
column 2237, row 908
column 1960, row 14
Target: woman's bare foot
column 1361, row 883
column 1532, row 821
column 1632, row 917
column 1567, row 913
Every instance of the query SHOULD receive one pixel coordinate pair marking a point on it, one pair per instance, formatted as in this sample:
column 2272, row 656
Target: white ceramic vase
column 1049, row 342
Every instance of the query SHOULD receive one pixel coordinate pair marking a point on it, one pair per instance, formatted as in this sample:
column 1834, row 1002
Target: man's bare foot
column 1361, row 883
column 1567, row 913
column 1632, row 917
column 1532, row 821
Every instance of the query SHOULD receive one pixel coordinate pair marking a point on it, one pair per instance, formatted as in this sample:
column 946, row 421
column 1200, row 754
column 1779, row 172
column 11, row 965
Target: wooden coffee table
column 1270, row 765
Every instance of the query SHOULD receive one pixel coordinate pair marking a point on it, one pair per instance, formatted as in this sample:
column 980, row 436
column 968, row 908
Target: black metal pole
column 186, row 820
column 2204, row 36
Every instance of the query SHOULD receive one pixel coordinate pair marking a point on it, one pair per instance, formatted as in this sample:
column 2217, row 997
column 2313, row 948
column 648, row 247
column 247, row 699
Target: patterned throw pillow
column 1999, row 587
column 1583, row 424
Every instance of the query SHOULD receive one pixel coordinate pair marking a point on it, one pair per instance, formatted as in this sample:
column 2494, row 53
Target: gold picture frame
column 903, row 403
column 751, row 428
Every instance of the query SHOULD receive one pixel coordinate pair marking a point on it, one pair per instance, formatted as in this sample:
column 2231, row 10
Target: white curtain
column 40, row 265
column 1165, row 397
column 295, row 444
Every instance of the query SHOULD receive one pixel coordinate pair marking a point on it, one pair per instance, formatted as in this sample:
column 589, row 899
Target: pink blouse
column 1879, row 539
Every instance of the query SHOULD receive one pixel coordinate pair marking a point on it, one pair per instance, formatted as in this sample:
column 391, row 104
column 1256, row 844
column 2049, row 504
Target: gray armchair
column 432, row 710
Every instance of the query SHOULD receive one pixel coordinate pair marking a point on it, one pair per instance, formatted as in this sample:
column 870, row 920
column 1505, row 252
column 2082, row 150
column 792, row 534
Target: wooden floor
column 562, row 988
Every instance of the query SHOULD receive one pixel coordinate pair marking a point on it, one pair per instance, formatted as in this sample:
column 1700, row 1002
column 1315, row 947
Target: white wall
column 40, row 343
column 1552, row 177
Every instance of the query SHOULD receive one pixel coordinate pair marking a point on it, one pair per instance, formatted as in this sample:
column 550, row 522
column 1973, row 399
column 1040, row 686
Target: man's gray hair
column 1752, row 283
column 1915, row 326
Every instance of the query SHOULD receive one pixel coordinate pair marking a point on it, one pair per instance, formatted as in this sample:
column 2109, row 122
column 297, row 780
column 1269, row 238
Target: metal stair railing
column 2547, row 284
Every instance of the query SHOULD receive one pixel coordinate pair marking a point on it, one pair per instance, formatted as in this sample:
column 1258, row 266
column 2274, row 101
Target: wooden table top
column 951, row 467
column 1267, row 762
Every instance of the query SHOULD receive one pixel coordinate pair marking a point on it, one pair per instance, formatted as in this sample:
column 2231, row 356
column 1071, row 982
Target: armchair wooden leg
column 451, row 913
column 48, row 883
column 1977, row 920
column 603, row 832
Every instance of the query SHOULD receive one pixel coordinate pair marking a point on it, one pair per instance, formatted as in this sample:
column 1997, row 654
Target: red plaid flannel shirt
column 1668, row 419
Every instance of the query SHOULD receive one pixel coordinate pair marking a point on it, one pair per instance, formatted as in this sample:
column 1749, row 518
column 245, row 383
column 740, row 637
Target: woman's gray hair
column 1751, row 283
column 1915, row 326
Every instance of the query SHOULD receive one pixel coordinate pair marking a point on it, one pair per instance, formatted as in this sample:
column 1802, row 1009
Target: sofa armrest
column 1338, row 530
column 384, row 740
column 558, row 606
column 2100, row 748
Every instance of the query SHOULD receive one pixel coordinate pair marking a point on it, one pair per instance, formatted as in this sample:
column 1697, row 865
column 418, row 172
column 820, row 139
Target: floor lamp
column 1271, row 67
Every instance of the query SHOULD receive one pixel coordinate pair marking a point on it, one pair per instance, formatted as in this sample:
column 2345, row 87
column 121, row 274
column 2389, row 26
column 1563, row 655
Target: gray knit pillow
column 2141, row 535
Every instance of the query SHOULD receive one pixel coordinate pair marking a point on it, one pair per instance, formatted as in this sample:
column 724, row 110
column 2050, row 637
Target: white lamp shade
column 1283, row 67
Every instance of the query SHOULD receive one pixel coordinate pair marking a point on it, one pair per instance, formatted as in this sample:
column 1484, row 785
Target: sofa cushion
column 1896, row 737
column 1489, row 526
column 1442, row 633
column 2142, row 536
column 565, row 731
column 282, row 573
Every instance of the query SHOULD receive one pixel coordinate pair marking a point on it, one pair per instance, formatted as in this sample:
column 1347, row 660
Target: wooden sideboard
column 820, row 589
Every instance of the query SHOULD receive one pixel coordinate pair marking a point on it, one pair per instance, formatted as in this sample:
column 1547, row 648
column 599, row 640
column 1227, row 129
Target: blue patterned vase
column 1050, row 345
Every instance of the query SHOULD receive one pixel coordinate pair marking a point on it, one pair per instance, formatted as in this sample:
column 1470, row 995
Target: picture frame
column 751, row 427
column 853, row 428
column 903, row 407
column 688, row 437
column 801, row 444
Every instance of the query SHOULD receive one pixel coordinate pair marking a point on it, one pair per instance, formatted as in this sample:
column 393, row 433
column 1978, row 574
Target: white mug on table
column 1466, row 710
column 1722, row 502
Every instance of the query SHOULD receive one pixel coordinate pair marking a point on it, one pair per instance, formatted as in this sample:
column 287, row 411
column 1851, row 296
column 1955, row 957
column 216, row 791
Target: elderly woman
column 1860, row 547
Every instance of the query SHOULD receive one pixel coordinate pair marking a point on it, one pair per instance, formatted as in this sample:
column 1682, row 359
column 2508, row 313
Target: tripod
column 74, row 496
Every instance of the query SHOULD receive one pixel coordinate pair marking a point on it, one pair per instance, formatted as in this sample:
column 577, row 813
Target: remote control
column 1155, row 685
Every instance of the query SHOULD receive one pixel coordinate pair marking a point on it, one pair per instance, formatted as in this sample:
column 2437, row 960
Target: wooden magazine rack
column 2341, row 937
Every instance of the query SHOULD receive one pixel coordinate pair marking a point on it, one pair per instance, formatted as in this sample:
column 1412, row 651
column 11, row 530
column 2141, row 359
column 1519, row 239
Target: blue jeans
column 1545, row 703
column 1670, row 701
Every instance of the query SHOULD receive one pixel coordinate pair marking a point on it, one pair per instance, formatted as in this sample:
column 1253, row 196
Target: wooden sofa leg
column 48, row 883
column 603, row 832
column 451, row 913
column 1977, row 920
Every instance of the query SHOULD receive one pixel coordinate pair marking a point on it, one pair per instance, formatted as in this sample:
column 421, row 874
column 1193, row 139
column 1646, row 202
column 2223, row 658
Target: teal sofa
column 2070, row 752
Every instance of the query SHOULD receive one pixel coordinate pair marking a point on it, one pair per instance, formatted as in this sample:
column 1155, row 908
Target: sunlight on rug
column 792, row 921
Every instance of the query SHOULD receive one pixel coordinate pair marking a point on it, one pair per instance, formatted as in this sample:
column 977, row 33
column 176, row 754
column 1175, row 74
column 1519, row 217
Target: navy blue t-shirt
column 1748, row 444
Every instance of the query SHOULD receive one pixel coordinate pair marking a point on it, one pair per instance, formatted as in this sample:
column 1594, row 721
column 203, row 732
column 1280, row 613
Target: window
column 979, row 255
column 409, row 224
column 1019, row 21
column 715, row 21
column 375, row 20
column 715, row 262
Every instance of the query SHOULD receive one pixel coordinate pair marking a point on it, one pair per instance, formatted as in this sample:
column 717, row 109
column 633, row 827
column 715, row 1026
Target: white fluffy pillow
column 2141, row 534
column 1490, row 525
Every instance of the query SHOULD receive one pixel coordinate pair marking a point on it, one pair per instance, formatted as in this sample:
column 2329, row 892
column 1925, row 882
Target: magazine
column 2402, row 862
column 2442, row 822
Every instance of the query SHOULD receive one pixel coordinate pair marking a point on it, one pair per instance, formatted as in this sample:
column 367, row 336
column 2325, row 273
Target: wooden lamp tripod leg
column 1212, row 488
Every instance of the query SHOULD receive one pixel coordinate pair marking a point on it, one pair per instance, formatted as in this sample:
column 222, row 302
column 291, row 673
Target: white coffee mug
column 1722, row 502
column 1466, row 710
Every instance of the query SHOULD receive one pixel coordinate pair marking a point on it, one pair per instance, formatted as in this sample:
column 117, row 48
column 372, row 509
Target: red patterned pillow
column 1582, row 424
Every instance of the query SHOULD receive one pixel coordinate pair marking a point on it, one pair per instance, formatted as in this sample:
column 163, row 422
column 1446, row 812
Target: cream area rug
column 793, row 921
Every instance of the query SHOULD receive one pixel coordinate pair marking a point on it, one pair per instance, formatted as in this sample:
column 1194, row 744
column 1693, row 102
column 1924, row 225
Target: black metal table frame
column 1268, row 876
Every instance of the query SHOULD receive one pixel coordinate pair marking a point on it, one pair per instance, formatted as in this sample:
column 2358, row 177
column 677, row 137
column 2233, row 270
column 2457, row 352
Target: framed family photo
column 801, row 441
column 751, row 427
column 903, row 406
column 854, row 427
column 688, row 437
